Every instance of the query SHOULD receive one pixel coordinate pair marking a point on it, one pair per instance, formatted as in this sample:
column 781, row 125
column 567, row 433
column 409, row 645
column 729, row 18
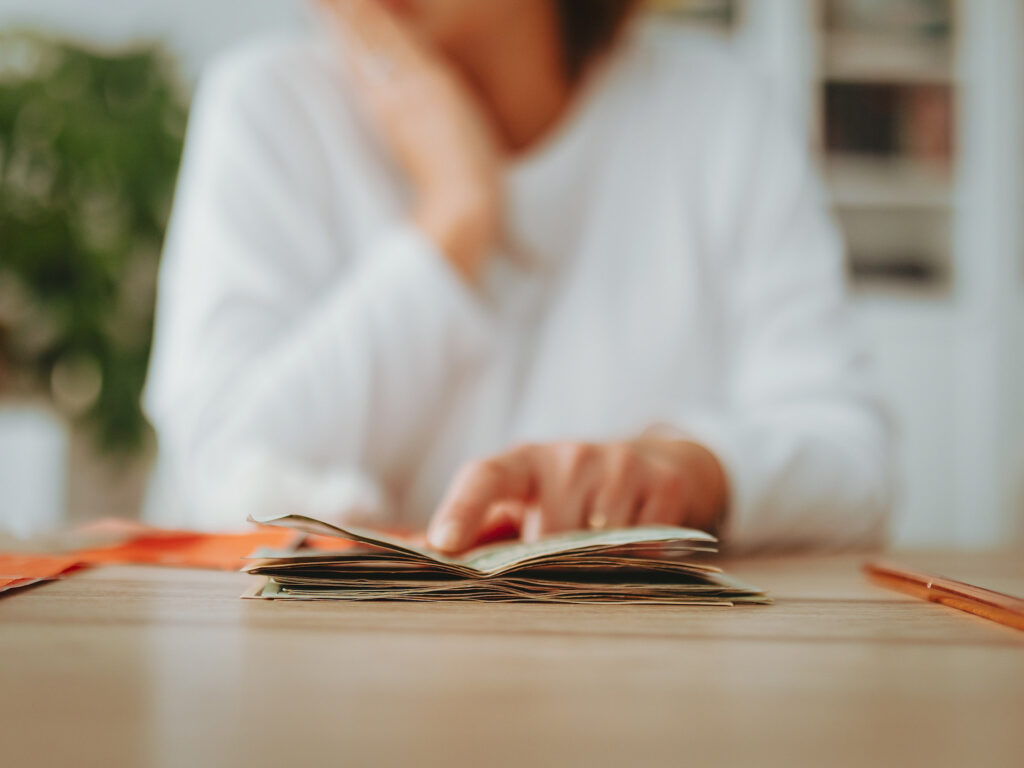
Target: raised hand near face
column 433, row 126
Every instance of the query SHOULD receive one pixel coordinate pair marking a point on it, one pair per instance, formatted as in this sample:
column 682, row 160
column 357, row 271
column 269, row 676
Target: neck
column 519, row 76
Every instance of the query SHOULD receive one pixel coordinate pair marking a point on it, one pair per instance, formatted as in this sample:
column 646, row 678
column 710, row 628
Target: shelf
column 873, row 291
column 711, row 15
column 905, row 247
column 862, row 182
column 861, row 57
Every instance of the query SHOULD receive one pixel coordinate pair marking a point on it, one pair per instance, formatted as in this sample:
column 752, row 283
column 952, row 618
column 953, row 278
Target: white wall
column 194, row 29
column 989, row 296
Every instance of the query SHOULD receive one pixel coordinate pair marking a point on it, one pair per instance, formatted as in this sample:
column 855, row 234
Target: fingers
column 614, row 505
column 568, row 475
column 659, row 509
column 666, row 499
column 376, row 47
column 458, row 521
column 550, row 488
column 369, row 25
column 613, row 508
column 504, row 520
column 532, row 520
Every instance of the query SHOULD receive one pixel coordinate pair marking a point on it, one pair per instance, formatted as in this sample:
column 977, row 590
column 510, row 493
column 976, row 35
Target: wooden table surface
column 135, row 666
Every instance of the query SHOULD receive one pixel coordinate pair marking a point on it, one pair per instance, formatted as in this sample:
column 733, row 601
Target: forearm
column 349, row 382
column 806, row 475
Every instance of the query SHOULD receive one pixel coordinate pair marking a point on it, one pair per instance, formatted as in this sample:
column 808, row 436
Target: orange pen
column 994, row 606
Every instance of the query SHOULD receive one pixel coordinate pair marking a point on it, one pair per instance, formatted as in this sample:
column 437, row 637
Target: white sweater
column 670, row 261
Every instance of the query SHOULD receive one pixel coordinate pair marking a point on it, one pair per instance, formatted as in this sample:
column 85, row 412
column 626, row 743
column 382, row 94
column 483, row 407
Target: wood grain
column 148, row 666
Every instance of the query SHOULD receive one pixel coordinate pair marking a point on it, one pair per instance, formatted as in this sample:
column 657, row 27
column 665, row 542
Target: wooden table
column 134, row 666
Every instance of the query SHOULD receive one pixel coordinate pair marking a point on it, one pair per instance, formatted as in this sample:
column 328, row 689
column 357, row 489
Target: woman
column 519, row 265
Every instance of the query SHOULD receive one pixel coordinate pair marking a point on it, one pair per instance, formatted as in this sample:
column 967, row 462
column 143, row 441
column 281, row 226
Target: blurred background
column 913, row 108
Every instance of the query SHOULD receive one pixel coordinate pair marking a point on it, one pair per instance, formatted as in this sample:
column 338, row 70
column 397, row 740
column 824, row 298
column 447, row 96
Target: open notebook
column 649, row 564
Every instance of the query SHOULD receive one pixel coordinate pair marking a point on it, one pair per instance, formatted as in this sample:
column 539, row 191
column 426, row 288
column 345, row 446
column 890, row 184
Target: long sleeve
column 292, row 367
column 802, row 439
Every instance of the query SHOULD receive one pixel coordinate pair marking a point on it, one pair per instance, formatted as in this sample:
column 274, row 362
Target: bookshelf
column 876, row 81
column 914, row 110
column 885, row 122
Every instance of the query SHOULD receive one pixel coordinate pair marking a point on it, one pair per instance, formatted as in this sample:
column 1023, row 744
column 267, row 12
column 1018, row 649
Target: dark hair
column 588, row 27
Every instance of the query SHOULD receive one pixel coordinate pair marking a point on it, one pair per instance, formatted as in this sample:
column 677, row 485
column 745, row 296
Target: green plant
column 90, row 143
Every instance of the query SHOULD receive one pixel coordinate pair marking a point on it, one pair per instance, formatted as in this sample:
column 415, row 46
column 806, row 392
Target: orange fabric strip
column 17, row 565
column 218, row 551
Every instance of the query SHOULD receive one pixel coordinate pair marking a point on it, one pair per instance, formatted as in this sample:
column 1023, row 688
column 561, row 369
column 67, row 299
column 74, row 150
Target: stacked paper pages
column 649, row 564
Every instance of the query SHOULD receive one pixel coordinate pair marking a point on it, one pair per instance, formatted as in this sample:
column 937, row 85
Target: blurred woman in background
column 520, row 265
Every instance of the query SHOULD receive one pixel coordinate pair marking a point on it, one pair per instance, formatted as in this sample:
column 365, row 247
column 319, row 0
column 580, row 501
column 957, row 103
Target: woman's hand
column 433, row 126
column 542, row 489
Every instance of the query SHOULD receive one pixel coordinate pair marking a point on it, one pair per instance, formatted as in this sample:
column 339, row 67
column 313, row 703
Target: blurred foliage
column 89, row 149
